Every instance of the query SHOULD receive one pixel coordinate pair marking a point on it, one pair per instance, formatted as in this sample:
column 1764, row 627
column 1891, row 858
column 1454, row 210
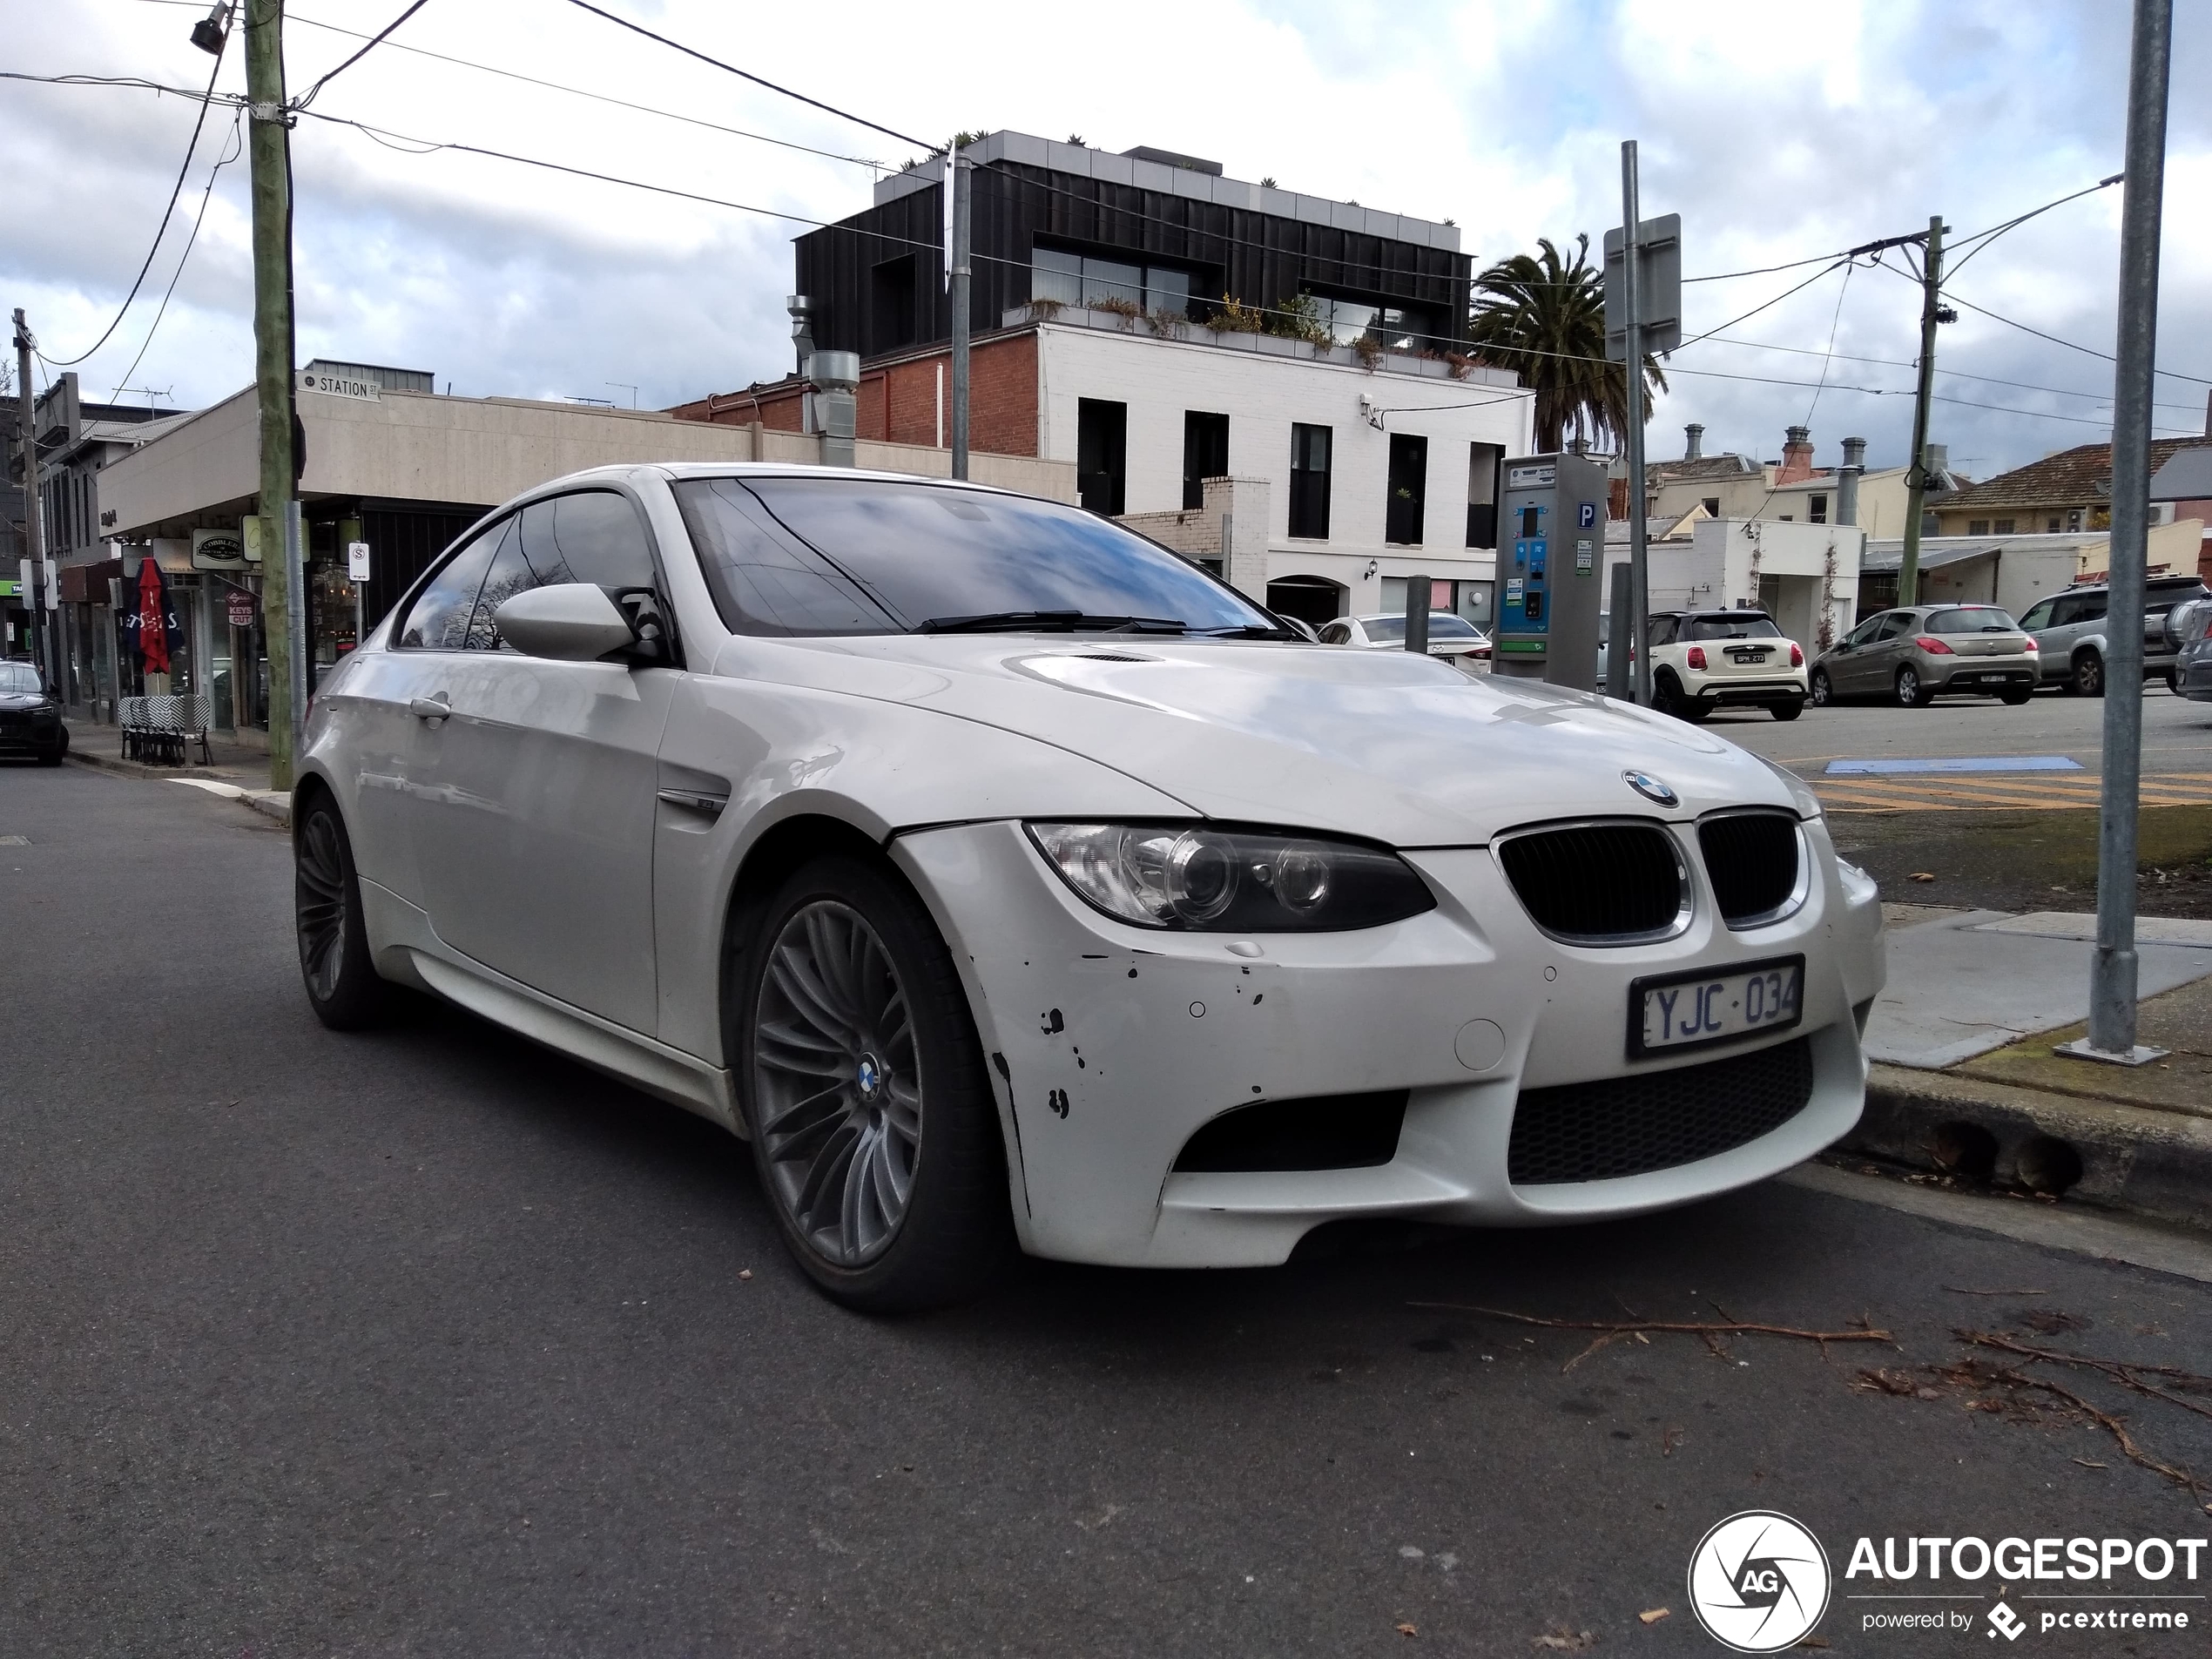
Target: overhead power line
column 160, row 230
column 746, row 74
column 376, row 40
column 222, row 162
column 2170, row 373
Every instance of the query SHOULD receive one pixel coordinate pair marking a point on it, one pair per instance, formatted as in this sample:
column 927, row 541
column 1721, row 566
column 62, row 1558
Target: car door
column 536, row 840
column 1892, row 640
column 392, row 751
column 1841, row 665
column 1862, row 668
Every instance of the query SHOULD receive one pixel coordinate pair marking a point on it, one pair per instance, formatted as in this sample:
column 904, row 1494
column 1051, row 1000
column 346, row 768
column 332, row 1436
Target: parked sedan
column 31, row 716
column 1002, row 877
column 1909, row 656
column 1448, row 635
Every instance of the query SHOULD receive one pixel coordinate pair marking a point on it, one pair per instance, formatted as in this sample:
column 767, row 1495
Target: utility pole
column 269, row 153
column 33, row 529
column 2112, row 975
column 1916, row 474
column 1639, row 551
column 961, row 170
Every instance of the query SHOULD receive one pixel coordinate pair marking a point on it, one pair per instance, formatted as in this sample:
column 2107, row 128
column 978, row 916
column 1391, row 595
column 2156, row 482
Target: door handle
column 430, row 708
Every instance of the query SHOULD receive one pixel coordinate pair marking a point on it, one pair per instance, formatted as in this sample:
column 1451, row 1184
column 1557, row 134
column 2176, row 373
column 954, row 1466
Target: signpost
column 1645, row 299
column 357, row 573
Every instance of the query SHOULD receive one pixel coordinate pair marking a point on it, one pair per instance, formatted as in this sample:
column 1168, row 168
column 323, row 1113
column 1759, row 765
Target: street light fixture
column 211, row 31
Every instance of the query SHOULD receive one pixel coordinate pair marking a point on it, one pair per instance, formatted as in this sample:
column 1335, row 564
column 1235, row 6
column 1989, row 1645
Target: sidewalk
column 238, row 772
column 1965, row 1083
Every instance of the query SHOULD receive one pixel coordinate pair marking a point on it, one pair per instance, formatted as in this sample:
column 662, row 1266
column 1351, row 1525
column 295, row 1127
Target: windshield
column 1442, row 624
column 1973, row 619
column 854, row 556
column 1731, row 628
column 19, row 677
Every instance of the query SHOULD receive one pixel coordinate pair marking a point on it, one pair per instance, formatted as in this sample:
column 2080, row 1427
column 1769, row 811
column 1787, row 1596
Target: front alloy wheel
column 874, row 1126
column 838, row 1082
column 341, row 982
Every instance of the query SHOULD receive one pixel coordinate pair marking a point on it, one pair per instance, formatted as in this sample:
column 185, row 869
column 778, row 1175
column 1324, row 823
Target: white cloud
column 1776, row 133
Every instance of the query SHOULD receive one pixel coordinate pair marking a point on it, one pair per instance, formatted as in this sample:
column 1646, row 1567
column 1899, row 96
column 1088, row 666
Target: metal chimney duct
column 1696, row 436
column 802, row 327
column 1847, row 477
column 836, row 377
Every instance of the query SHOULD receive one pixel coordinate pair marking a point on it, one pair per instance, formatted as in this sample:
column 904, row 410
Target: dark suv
column 2069, row 629
column 30, row 717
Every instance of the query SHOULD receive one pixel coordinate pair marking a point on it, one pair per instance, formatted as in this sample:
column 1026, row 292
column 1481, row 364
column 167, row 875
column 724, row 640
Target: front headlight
column 1218, row 880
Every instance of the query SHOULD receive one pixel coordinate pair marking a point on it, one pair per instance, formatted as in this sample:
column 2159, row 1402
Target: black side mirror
column 642, row 608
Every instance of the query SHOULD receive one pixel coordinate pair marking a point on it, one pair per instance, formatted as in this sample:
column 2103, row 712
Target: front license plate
column 1685, row 1010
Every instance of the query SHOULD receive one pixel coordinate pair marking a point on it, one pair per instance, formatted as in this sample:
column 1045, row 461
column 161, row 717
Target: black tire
column 1667, row 692
column 2013, row 700
column 334, row 967
column 1911, row 693
column 1785, row 711
column 953, row 1229
column 1824, row 689
column 2173, row 677
column 2088, row 678
column 54, row 758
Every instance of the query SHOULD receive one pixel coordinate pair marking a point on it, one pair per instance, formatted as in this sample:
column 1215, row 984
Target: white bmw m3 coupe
column 1001, row 876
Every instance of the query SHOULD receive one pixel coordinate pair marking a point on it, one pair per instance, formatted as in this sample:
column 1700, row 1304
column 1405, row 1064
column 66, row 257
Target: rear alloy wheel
column 341, row 982
column 1824, row 691
column 1667, row 693
column 2088, row 675
column 874, row 1126
column 1911, row 694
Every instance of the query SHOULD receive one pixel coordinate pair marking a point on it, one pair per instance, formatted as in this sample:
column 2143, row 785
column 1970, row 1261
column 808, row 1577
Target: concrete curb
column 2134, row 1159
column 270, row 803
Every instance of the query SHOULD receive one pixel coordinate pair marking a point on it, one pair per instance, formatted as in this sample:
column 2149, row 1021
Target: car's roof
column 1740, row 611
column 1400, row 616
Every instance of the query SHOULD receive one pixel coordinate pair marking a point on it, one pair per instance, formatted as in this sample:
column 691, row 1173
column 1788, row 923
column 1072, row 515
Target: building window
column 1206, row 454
column 893, row 314
column 1392, row 327
column 1085, row 279
column 1309, row 482
column 1712, row 506
column 1483, row 460
column 1817, row 509
column 1977, row 527
column 2004, row 526
column 1102, row 454
column 1408, row 488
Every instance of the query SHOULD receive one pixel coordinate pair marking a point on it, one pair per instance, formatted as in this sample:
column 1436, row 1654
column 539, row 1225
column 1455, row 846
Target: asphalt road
column 2177, row 734
column 425, row 1342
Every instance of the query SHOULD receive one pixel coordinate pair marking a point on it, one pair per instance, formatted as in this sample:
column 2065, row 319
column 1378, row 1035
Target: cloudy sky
column 1778, row 132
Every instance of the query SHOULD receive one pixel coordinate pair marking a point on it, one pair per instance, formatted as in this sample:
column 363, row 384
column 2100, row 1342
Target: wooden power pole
column 1916, row 474
column 269, row 154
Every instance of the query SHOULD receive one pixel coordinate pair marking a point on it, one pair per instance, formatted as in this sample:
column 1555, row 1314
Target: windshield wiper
column 1247, row 630
column 1010, row 621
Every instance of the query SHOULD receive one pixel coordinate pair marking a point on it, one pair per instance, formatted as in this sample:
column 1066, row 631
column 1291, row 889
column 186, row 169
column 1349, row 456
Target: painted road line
column 2069, row 791
column 1955, row 763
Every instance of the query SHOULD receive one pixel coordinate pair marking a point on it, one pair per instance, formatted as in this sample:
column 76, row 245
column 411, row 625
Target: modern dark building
column 1146, row 230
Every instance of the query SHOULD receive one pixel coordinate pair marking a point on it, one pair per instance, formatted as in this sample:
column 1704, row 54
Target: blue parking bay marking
column 1957, row 763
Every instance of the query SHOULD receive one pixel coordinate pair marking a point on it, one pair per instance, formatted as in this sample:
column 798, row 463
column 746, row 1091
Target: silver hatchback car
column 1909, row 656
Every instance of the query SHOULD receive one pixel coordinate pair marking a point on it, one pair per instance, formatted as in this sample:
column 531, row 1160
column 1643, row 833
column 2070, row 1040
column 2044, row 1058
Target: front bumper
column 1112, row 1045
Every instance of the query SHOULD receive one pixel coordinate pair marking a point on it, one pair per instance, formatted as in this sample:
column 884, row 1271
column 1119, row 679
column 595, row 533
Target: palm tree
column 1544, row 319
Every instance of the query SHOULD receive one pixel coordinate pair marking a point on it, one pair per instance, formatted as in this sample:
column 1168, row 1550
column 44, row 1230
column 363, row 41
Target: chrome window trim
column 1686, row 906
column 1799, row 893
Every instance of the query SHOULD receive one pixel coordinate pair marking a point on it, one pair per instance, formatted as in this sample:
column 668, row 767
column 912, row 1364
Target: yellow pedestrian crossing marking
column 1999, row 791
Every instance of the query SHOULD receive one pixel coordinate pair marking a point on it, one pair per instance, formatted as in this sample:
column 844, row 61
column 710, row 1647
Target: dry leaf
column 1407, row 1630
column 1923, row 875
column 1652, row 1615
column 744, row 1272
column 2085, row 1464
column 1669, row 1440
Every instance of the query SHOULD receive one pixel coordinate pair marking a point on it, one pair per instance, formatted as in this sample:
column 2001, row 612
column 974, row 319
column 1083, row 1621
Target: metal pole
column 34, row 540
column 1619, row 678
column 269, row 143
column 961, row 170
column 1631, row 292
column 1916, row 476
column 295, row 578
column 1417, row 593
column 2112, row 980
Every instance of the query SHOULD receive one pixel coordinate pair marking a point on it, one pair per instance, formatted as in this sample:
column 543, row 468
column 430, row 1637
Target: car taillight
column 2031, row 645
column 1797, row 656
column 1697, row 657
column 1935, row 647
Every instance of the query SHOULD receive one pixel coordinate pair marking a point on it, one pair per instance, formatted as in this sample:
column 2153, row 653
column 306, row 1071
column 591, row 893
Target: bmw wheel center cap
column 1650, row 788
column 869, row 1075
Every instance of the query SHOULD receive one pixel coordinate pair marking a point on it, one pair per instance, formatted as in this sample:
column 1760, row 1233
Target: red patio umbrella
column 153, row 619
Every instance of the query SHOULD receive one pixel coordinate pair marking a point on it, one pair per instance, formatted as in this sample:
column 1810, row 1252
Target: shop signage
column 218, row 551
column 357, row 561
column 340, row 386
column 237, row 608
column 249, row 537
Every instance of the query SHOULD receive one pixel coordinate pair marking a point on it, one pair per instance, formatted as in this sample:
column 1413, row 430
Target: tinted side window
column 1892, row 626
column 2093, row 606
column 439, row 618
column 763, row 579
column 1864, row 632
column 593, row 536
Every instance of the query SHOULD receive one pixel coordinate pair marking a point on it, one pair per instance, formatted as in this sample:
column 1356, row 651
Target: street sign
column 237, row 608
column 357, row 561
column 343, row 386
column 1658, row 287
